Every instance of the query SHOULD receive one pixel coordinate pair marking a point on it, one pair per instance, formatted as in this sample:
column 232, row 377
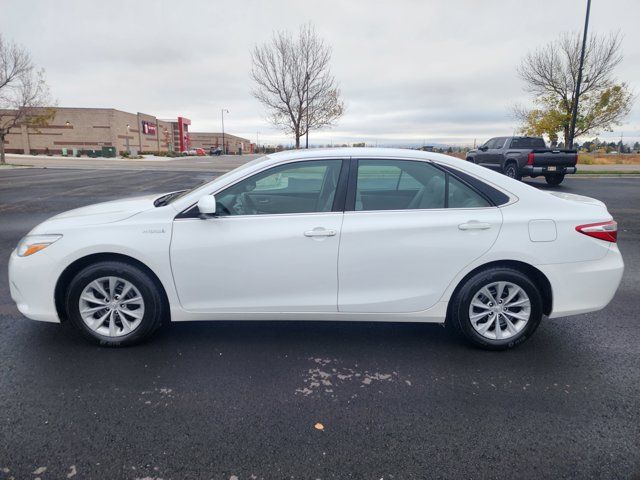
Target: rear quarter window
column 528, row 143
column 493, row 195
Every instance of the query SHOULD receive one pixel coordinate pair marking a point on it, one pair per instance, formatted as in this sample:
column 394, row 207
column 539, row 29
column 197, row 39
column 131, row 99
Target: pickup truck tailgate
column 557, row 158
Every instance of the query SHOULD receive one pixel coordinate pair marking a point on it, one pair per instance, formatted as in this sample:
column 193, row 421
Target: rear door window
column 411, row 185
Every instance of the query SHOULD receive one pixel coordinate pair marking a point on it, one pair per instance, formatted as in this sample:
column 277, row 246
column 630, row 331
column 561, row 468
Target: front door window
column 301, row 187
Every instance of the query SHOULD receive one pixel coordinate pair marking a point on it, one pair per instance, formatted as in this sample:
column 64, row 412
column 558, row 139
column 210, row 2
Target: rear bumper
column 582, row 287
column 532, row 171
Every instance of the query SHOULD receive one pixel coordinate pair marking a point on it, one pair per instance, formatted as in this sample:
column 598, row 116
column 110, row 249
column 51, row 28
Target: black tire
column 471, row 159
column 155, row 309
column 459, row 312
column 511, row 171
column 554, row 179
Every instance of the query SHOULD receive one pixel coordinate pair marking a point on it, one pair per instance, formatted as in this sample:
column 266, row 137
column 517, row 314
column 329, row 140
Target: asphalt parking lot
column 239, row 400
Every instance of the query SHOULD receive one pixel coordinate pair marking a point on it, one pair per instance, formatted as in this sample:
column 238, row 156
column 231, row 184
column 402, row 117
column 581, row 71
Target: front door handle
column 320, row 232
column 474, row 225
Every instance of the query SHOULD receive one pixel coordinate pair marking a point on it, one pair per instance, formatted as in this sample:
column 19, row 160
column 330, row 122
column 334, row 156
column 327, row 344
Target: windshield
column 172, row 197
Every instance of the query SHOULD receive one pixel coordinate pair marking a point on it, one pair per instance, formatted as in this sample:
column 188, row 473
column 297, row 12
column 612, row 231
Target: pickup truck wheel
column 555, row 179
column 511, row 171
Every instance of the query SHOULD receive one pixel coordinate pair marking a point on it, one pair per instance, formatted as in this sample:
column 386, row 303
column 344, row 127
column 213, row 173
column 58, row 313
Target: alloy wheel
column 111, row 306
column 499, row 310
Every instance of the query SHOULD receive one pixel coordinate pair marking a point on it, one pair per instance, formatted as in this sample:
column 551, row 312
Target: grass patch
column 604, row 159
column 14, row 165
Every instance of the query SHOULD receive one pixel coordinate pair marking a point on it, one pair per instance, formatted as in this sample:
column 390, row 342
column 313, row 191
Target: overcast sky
column 410, row 71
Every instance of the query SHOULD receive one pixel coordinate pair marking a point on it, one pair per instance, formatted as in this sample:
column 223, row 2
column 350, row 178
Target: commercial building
column 77, row 130
column 233, row 144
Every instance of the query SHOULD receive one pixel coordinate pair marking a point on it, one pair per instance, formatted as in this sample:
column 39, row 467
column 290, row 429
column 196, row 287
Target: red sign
column 183, row 130
column 148, row 128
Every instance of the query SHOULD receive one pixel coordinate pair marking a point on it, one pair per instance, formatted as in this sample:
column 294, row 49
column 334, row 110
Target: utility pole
column 576, row 95
column 224, row 149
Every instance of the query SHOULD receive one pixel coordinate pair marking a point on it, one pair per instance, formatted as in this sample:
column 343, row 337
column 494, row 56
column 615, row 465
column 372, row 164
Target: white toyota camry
column 343, row 234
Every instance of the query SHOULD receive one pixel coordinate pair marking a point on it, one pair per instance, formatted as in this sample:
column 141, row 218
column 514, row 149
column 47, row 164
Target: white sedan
column 343, row 234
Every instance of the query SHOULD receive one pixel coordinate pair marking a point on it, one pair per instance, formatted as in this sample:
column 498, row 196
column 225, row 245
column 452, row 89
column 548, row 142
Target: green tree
column 550, row 75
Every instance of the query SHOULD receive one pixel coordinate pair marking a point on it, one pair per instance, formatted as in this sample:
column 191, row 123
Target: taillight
column 607, row 231
column 530, row 158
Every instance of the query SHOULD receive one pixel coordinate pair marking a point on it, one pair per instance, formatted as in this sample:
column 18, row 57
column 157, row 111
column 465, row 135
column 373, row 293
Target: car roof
column 512, row 187
column 348, row 152
column 359, row 152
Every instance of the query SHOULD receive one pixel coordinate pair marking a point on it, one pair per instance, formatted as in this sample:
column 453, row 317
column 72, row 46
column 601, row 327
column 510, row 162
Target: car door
column 495, row 152
column 483, row 154
column 400, row 258
column 272, row 247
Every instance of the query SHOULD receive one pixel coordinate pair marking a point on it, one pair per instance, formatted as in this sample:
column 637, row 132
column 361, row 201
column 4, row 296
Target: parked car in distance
column 519, row 157
column 338, row 234
column 215, row 151
column 200, row 152
column 189, row 153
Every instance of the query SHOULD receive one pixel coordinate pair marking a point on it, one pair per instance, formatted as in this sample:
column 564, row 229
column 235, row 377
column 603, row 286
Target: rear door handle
column 474, row 225
column 320, row 232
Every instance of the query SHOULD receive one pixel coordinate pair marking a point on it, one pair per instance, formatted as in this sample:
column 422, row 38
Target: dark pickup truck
column 519, row 157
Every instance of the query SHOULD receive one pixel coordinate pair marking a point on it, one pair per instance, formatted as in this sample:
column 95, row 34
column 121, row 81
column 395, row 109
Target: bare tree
column 23, row 92
column 551, row 73
column 293, row 81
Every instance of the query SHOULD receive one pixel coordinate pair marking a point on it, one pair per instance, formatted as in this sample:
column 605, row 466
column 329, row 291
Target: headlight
column 34, row 243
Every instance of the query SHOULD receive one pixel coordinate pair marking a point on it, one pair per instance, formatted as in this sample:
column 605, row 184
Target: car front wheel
column 497, row 309
column 114, row 303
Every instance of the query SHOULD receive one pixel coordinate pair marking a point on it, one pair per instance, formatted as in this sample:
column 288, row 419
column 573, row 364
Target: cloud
column 409, row 70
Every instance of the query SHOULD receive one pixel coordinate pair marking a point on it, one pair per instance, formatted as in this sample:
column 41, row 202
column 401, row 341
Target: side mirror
column 207, row 206
column 483, row 148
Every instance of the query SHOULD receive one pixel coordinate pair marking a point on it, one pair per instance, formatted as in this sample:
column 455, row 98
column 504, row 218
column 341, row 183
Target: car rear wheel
column 555, row 179
column 497, row 309
column 114, row 303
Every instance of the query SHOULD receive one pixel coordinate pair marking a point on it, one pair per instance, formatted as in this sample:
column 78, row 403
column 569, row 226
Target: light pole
column 127, row 138
column 307, row 134
column 576, row 95
column 257, row 142
column 224, row 150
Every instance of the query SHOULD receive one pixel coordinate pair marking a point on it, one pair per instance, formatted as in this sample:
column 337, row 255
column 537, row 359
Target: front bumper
column 531, row 171
column 581, row 287
column 32, row 284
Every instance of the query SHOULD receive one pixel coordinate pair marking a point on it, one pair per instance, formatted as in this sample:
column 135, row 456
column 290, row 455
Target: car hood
column 99, row 213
